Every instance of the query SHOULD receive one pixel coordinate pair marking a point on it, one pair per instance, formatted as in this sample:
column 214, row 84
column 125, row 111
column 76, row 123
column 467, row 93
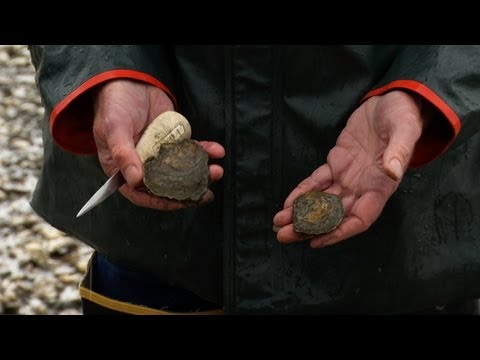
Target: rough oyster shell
column 316, row 213
column 179, row 171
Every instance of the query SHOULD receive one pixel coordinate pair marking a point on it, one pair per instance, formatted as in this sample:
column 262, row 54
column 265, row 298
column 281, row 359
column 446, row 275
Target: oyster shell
column 179, row 171
column 316, row 213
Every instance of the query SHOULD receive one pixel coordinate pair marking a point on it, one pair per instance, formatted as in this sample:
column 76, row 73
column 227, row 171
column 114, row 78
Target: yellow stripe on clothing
column 135, row 309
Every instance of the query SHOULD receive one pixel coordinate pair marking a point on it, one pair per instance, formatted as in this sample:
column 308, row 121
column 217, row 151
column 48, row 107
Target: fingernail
column 396, row 168
column 276, row 228
column 130, row 173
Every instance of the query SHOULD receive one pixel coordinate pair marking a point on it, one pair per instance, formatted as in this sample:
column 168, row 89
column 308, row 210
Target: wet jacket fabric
column 278, row 111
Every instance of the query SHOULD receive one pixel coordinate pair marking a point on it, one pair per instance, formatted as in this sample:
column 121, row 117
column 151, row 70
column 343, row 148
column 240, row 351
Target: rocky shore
column 40, row 267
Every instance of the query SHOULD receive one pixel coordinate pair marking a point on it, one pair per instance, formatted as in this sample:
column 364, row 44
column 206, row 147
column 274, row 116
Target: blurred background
column 40, row 267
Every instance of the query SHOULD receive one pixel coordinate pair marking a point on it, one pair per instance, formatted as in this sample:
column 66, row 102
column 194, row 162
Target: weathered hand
column 364, row 167
column 123, row 109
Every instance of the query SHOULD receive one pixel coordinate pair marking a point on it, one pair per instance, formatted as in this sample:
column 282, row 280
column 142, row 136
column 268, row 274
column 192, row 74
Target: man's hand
column 364, row 167
column 123, row 109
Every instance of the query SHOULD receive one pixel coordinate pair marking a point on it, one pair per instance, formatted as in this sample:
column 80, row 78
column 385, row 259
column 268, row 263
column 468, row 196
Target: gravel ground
column 40, row 267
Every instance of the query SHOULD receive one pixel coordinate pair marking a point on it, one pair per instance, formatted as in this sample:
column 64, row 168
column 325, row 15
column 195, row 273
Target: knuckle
column 153, row 202
column 119, row 153
column 333, row 153
column 97, row 129
column 404, row 151
column 364, row 225
column 135, row 201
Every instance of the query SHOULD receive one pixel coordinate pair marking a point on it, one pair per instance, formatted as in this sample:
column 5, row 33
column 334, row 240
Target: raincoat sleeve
column 449, row 78
column 67, row 73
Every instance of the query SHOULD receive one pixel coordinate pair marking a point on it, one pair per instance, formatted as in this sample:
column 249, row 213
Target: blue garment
column 118, row 283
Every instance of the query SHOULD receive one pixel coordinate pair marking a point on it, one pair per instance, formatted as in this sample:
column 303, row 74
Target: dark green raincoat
column 278, row 111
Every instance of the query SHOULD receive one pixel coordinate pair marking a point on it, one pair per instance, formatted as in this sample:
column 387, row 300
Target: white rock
column 70, row 311
column 20, row 206
column 26, row 310
column 19, row 92
column 71, row 279
column 46, row 291
column 26, row 79
column 82, row 260
column 16, row 174
column 9, row 294
column 64, row 270
column 20, row 61
column 19, row 144
column 37, row 252
column 17, row 221
column 69, row 295
column 11, row 112
column 61, row 245
column 28, row 107
column 3, row 195
column 4, row 57
column 47, row 231
column 37, row 306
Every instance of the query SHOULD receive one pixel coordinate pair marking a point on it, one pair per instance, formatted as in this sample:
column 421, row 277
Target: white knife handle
column 168, row 127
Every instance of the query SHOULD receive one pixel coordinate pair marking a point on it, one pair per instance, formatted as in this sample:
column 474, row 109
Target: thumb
column 399, row 150
column 122, row 147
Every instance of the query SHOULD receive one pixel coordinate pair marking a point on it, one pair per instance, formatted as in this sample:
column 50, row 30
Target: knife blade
column 168, row 127
column 107, row 189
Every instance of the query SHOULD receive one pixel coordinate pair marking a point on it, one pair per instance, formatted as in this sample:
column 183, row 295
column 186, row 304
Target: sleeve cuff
column 71, row 120
column 444, row 127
